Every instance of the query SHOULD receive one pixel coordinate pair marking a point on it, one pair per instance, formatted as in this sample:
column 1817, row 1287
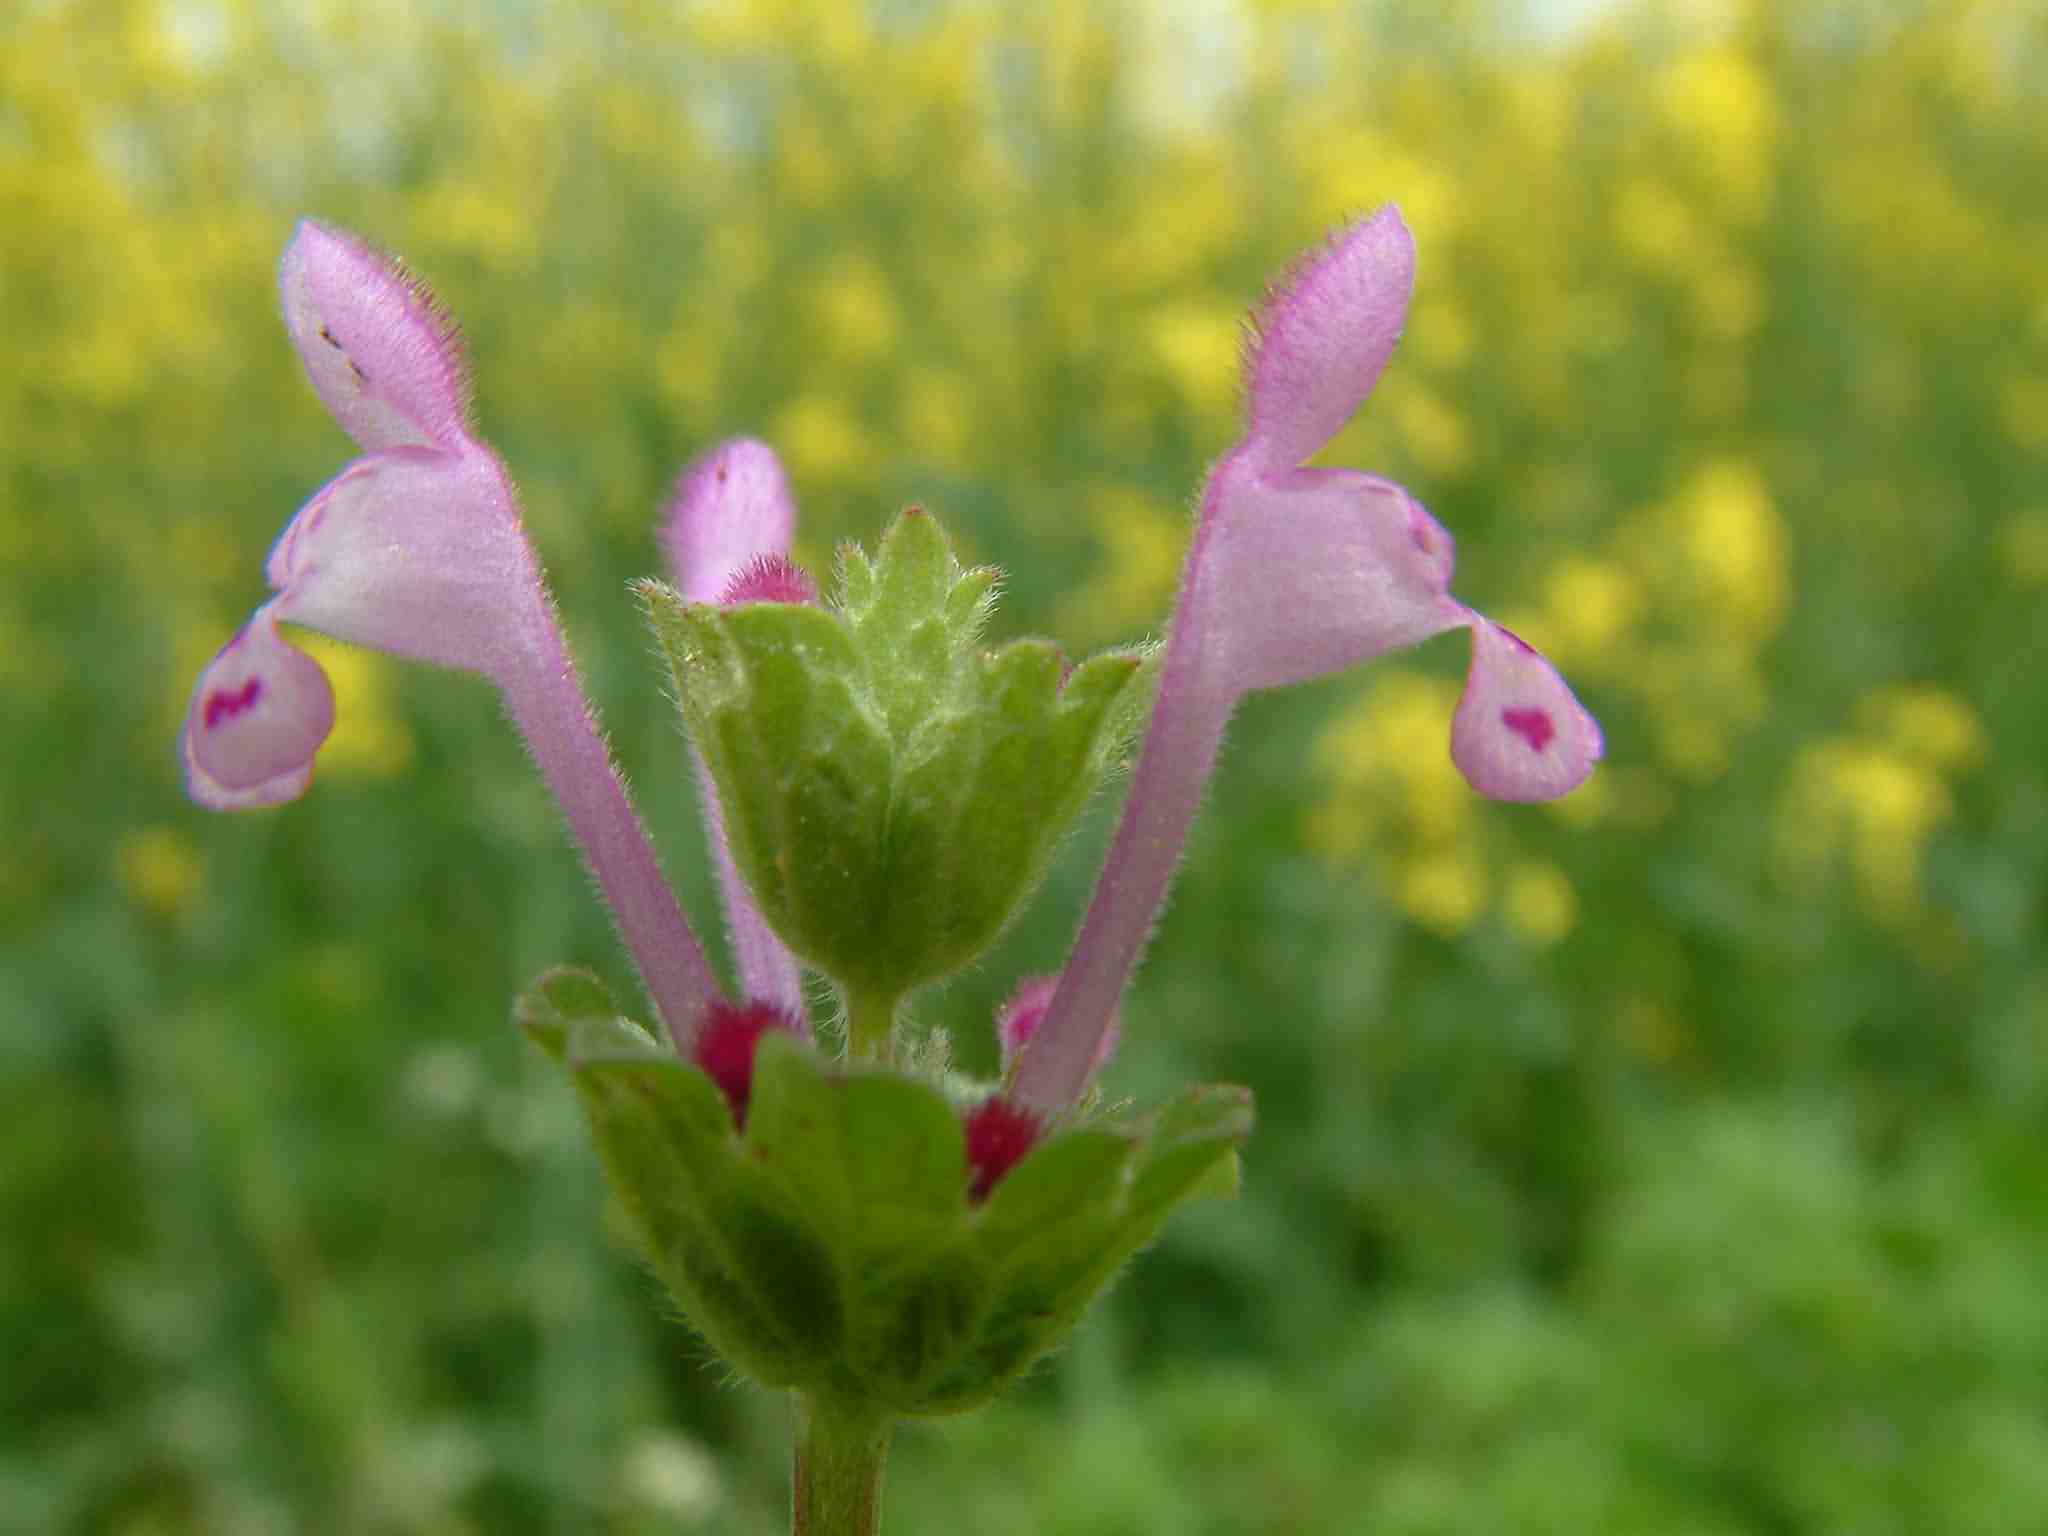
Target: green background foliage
column 1667, row 1161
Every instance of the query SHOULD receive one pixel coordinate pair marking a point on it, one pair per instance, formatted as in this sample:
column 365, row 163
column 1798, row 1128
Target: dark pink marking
column 225, row 706
column 769, row 579
column 726, row 1045
column 998, row 1136
column 1533, row 725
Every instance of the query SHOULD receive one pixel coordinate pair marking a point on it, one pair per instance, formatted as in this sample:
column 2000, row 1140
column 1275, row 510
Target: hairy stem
column 547, row 704
column 1180, row 749
column 870, row 1026
column 840, row 1453
column 768, row 972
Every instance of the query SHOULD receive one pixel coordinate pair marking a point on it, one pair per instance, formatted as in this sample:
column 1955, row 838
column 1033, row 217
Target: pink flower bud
column 726, row 1045
column 729, row 508
column 999, row 1134
column 1019, row 1017
column 727, row 536
column 769, row 579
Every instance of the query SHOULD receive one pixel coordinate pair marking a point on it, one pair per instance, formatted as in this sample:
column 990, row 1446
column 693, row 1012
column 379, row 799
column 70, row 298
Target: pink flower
column 417, row 549
column 727, row 538
column 1294, row 573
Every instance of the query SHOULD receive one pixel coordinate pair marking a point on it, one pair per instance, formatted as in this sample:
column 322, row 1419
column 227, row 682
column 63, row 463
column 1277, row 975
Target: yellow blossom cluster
column 1869, row 800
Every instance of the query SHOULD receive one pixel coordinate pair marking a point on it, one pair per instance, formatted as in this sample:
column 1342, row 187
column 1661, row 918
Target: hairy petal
column 1519, row 734
column 769, row 579
column 727, row 539
column 729, row 508
column 1314, row 571
column 258, row 716
column 1323, row 337
column 416, row 552
column 767, row 970
column 383, row 356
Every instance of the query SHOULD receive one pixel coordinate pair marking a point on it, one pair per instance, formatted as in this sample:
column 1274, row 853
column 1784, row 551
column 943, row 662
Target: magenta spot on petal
column 1533, row 725
column 1418, row 530
column 225, row 706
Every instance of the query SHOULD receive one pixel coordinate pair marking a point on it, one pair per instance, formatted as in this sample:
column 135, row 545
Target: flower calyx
column 860, row 1231
column 893, row 789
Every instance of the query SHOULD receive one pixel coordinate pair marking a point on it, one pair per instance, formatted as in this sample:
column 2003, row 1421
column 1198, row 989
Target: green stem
column 840, row 1452
column 870, row 1027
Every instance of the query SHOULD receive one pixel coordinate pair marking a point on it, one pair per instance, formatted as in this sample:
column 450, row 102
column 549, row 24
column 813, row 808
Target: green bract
column 830, row 1246
column 892, row 789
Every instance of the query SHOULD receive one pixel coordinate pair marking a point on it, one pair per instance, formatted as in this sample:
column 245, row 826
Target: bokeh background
column 1670, row 1160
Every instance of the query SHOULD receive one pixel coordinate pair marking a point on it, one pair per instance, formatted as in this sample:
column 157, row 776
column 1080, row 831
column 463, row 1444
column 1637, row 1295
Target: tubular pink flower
column 727, row 536
column 417, row 549
column 1294, row 573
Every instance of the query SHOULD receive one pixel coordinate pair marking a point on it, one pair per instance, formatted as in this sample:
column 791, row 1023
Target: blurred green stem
column 870, row 1026
column 840, row 1451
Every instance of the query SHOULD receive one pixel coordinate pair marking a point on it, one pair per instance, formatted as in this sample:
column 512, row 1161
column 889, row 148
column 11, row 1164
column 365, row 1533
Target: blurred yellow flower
column 1734, row 545
column 1591, row 605
column 1397, row 804
column 1876, row 798
column 1724, row 109
column 823, row 440
column 1434, row 432
column 369, row 739
column 1197, row 345
column 1144, row 540
column 808, row 168
column 853, row 311
column 161, row 870
column 2023, row 407
column 1445, row 892
column 1653, row 221
column 1440, row 333
column 1539, row 902
column 1930, row 724
column 496, row 225
column 1730, row 302
column 2024, row 541
column 936, row 416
